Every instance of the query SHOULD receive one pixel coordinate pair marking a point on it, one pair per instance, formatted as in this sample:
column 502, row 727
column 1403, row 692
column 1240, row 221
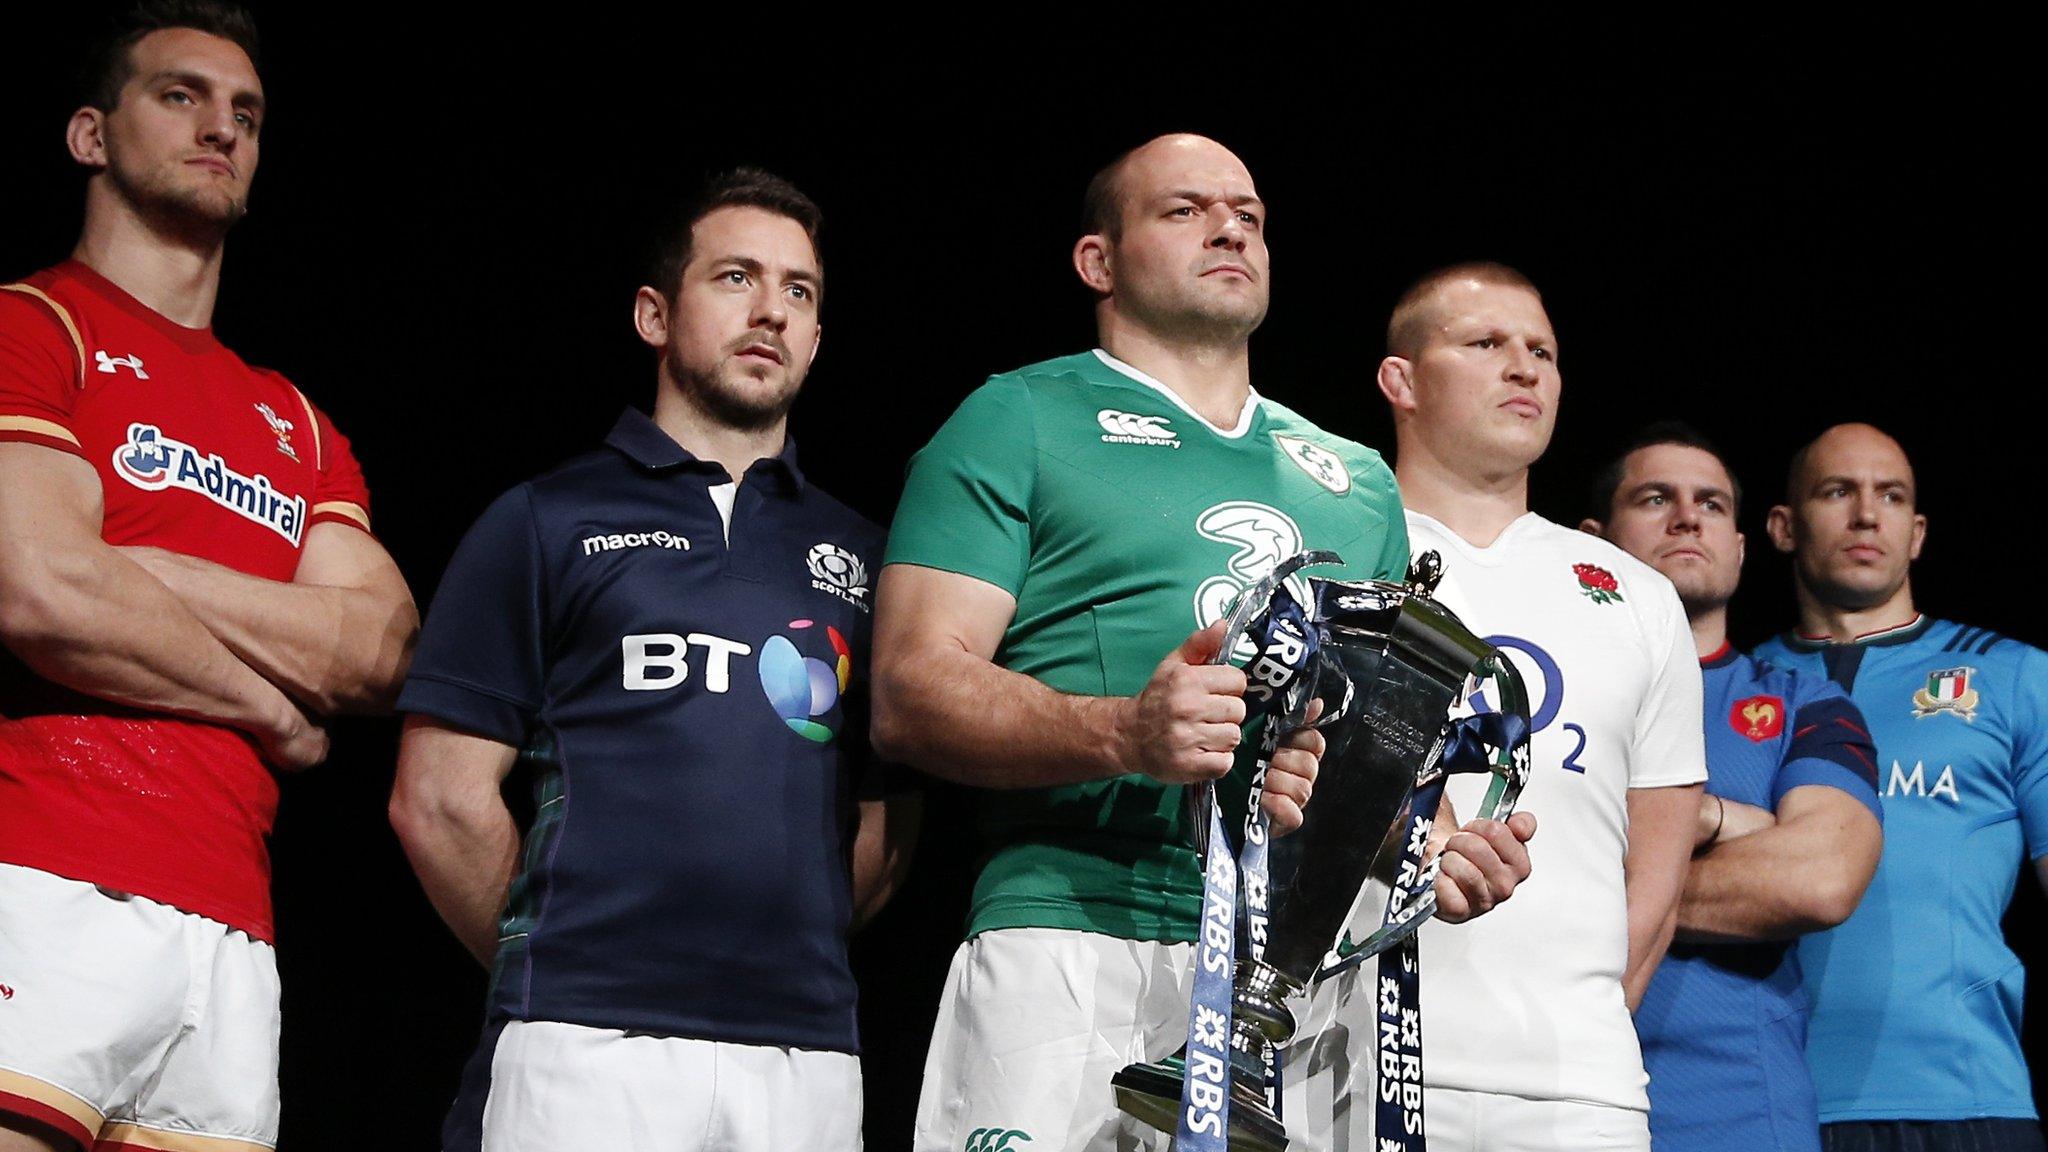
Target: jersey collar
column 196, row 340
column 1882, row 638
column 637, row 437
column 1234, row 432
column 1725, row 654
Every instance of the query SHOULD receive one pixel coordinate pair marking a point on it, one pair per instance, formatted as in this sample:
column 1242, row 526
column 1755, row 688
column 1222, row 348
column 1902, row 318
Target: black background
column 1760, row 237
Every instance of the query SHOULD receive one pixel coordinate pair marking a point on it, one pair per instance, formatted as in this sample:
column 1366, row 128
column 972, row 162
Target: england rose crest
column 1597, row 583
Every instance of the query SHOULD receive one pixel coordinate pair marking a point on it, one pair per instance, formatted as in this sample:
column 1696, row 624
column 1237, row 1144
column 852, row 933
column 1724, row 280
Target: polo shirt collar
column 641, row 440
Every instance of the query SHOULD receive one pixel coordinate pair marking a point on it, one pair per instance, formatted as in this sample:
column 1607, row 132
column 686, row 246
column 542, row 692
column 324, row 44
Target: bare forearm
column 464, row 854
column 336, row 649
column 1660, row 839
column 959, row 717
column 1805, row 874
column 882, row 847
column 93, row 621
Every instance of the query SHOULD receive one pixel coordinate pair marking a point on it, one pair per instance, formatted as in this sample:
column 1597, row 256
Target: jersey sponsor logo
column 1322, row 465
column 612, row 542
column 109, row 364
column 1134, row 428
column 1598, row 584
column 1264, row 536
column 802, row 688
column 1759, row 717
column 6, row 993
column 1914, row 783
column 835, row 570
column 153, row 462
column 1947, row 691
column 995, row 1140
column 1546, row 693
column 282, row 427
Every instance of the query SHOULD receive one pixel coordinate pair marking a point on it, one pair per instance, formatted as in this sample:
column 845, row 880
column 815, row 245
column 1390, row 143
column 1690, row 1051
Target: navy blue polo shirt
column 693, row 712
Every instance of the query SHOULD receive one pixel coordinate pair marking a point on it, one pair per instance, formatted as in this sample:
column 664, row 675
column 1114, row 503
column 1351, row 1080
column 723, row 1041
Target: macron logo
column 1132, row 428
column 616, row 540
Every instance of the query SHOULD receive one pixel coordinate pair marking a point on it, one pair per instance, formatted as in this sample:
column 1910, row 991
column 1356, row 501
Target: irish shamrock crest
column 1597, row 583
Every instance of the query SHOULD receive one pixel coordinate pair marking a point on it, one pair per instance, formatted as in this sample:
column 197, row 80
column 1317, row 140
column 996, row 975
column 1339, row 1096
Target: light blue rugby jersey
column 1916, row 998
column 1724, row 1025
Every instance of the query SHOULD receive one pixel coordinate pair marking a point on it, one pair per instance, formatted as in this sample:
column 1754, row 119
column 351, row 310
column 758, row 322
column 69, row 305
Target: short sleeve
column 39, row 371
column 341, row 494
column 1393, row 562
column 1670, row 746
column 478, row 664
column 966, row 504
column 2030, row 748
column 1830, row 745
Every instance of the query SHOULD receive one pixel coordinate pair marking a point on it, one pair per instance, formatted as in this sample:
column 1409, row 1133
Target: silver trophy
column 1389, row 665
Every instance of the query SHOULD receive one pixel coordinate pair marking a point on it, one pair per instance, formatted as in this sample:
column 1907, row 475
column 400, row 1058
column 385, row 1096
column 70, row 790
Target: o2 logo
column 1547, row 688
column 802, row 688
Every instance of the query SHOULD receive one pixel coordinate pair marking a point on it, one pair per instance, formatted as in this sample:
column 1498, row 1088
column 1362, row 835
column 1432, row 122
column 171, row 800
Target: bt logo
column 800, row 688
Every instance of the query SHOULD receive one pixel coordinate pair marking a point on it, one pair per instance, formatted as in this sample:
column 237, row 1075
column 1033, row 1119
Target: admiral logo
column 617, row 540
column 131, row 363
column 153, row 462
column 1132, row 428
column 1322, row 465
column 835, row 570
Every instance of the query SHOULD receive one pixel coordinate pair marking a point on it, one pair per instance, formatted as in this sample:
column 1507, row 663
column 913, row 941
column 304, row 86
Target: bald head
column 1428, row 302
column 1104, row 205
column 1845, row 448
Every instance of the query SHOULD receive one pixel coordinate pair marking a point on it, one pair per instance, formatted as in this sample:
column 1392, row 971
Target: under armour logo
column 132, row 363
column 994, row 1139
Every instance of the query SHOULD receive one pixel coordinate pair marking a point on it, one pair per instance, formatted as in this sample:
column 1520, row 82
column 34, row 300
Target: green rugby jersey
column 1121, row 521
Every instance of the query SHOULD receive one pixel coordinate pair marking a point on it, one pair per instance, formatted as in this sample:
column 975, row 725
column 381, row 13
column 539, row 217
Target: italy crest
column 1947, row 691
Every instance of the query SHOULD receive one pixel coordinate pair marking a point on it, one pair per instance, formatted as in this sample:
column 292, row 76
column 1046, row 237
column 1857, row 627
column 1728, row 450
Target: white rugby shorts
column 1032, row 1024
column 568, row 1088
column 127, row 1024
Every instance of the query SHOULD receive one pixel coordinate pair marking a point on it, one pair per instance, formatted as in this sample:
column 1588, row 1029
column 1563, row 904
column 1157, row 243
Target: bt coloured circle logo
column 802, row 688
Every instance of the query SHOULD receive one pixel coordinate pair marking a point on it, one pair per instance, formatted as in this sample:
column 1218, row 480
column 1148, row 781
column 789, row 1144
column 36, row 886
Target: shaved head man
column 1914, row 1042
column 1060, row 564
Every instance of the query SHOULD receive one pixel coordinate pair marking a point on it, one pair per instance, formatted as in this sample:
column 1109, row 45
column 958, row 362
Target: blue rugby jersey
column 1724, row 1025
column 1916, row 998
column 694, row 715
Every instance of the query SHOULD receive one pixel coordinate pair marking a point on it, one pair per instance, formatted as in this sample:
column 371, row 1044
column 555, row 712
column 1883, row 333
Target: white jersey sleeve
column 1670, row 747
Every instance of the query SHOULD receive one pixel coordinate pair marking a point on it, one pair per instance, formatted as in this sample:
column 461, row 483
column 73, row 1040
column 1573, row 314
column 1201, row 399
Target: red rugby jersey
column 197, row 453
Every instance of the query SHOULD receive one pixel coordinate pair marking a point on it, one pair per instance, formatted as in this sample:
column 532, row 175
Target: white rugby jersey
column 1527, row 999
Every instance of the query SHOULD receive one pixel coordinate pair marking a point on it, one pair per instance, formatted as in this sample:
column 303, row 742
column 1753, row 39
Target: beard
column 201, row 214
column 1855, row 592
column 732, row 398
column 1187, row 312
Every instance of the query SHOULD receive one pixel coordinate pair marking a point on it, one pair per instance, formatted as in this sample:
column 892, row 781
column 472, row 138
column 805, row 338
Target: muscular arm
column 882, row 846
column 942, row 705
column 1660, row 839
column 81, row 614
column 337, row 638
column 451, row 818
column 1803, row 874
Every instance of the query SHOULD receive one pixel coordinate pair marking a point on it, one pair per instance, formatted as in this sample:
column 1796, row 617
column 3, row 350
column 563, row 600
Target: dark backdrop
column 448, row 219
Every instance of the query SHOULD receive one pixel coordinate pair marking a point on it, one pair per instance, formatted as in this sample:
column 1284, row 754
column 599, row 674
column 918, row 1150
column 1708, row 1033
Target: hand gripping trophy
column 1388, row 665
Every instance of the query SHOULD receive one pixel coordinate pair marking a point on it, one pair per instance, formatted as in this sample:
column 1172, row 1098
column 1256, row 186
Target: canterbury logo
column 132, row 363
column 1132, row 428
column 995, row 1139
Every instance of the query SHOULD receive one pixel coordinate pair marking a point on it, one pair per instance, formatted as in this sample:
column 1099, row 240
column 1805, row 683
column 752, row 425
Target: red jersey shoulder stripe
column 63, row 315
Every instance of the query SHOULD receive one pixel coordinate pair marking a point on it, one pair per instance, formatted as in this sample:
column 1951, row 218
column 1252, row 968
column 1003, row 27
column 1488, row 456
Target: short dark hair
column 110, row 63
column 1102, row 204
column 1406, row 326
column 1607, row 482
column 738, row 188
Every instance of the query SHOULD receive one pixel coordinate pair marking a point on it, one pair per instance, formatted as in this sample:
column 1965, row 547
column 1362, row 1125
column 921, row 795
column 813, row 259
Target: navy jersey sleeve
column 1830, row 745
column 478, row 665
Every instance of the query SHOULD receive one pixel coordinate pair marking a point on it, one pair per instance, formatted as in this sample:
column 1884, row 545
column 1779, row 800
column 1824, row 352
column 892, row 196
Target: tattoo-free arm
column 1660, row 838
column 81, row 614
column 338, row 637
column 1803, row 874
column 883, row 844
column 451, row 818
